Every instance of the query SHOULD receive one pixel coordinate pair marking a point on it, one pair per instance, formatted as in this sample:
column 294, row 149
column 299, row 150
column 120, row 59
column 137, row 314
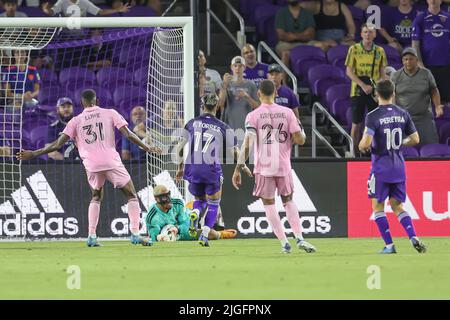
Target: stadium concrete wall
column 331, row 197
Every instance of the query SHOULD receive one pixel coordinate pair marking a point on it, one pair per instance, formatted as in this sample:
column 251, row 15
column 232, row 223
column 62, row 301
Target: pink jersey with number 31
column 273, row 125
column 93, row 133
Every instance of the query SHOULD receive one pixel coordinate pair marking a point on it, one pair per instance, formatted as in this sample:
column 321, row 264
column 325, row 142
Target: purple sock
column 211, row 214
column 200, row 205
column 383, row 226
column 407, row 224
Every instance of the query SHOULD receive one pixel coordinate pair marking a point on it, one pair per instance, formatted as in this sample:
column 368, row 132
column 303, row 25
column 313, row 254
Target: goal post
column 36, row 33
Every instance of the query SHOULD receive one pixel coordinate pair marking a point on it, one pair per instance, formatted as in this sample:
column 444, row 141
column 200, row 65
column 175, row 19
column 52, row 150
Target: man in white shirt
column 80, row 8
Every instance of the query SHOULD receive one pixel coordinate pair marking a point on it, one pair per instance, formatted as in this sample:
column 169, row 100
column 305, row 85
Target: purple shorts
column 200, row 189
column 381, row 190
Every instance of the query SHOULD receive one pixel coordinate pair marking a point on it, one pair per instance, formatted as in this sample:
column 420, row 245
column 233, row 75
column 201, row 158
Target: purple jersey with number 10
column 389, row 125
column 206, row 135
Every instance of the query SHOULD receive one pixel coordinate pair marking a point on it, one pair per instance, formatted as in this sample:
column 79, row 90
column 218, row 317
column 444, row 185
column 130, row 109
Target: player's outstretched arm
column 131, row 136
column 55, row 145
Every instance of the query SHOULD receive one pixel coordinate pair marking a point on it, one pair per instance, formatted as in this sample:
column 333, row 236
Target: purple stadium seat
column 261, row 15
column 392, row 55
column 336, row 56
column 302, row 58
column 49, row 96
column 444, row 133
column 38, row 132
column 140, row 77
column 104, row 96
column 338, row 91
column 435, row 150
column 140, row 11
column 318, row 74
column 48, row 76
column 270, row 34
column 133, row 57
column 410, row 152
column 32, row 11
column 124, row 93
column 112, row 77
column 337, row 52
column 339, row 109
column 76, row 77
column 359, row 18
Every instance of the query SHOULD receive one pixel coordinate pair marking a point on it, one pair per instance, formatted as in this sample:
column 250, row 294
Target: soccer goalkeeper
column 169, row 220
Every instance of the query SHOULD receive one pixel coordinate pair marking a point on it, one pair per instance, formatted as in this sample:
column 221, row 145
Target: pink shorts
column 265, row 186
column 119, row 177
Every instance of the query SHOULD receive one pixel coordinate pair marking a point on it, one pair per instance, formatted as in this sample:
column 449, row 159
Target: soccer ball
column 169, row 233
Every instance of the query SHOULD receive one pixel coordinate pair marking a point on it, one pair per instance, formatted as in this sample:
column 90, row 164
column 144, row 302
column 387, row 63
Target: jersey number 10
column 393, row 138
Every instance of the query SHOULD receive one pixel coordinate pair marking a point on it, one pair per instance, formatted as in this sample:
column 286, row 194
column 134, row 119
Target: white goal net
column 154, row 54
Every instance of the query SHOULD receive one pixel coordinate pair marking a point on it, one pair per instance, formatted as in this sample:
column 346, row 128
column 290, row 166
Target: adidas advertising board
column 320, row 193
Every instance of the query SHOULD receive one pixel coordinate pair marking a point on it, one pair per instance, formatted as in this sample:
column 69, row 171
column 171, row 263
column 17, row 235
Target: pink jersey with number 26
column 93, row 133
column 273, row 125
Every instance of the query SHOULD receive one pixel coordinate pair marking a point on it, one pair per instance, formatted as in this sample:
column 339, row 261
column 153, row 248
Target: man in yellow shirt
column 365, row 64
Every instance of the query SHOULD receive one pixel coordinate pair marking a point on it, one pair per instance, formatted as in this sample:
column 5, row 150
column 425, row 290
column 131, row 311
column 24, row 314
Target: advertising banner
column 320, row 193
column 427, row 202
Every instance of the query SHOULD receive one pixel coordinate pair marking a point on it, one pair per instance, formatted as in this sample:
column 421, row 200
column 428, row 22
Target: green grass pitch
column 229, row 269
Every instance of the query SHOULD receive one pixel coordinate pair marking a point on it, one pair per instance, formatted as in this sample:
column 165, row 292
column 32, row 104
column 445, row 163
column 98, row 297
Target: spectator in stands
column 365, row 64
column 130, row 151
column 10, row 7
column 68, row 8
column 396, row 24
column 64, row 111
column 212, row 77
column 334, row 22
column 295, row 26
column 430, row 37
column 15, row 75
column 254, row 70
column 238, row 96
column 165, row 132
column 285, row 96
column 415, row 89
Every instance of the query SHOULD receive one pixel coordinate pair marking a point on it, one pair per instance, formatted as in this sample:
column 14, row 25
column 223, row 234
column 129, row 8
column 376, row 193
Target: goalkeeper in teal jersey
column 169, row 220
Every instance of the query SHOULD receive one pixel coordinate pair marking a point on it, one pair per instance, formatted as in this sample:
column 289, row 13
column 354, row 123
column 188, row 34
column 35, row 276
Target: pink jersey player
column 273, row 129
column 93, row 133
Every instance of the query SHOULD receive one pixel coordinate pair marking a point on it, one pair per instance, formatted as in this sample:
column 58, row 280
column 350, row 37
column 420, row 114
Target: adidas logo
column 28, row 212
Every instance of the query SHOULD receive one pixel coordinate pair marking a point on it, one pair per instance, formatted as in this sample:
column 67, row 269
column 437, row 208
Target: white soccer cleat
column 304, row 245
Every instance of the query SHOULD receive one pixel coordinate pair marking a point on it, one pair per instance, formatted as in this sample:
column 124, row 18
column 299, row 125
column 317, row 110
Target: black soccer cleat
column 418, row 245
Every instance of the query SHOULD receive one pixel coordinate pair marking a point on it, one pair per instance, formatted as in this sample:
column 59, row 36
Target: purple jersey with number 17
column 273, row 124
column 206, row 135
column 389, row 125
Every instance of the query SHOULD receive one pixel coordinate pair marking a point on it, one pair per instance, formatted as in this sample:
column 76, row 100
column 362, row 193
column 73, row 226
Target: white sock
column 299, row 236
column 284, row 242
column 205, row 231
column 93, row 235
column 389, row 246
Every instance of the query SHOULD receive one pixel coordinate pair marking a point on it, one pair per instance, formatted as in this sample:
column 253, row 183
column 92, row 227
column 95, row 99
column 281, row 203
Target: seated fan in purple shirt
column 254, row 70
column 285, row 96
column 389, row 127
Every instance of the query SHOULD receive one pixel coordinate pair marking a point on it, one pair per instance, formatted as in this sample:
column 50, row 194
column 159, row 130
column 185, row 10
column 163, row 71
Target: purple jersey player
column 388, row 127
column 202, row 169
